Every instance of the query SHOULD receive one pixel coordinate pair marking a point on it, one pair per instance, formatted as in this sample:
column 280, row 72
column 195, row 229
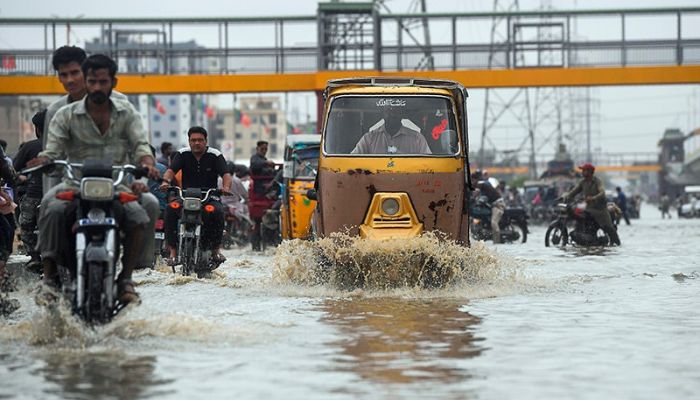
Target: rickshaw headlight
column 390, row 206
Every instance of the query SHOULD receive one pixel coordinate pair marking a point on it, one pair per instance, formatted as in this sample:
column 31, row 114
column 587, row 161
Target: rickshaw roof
column 397, row 85
column 303, row 138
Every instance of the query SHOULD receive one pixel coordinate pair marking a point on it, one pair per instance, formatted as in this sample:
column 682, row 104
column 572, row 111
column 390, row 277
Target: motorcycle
column 92, row 289
column 513, row 224
column 238, row 225
column 586, row 231
column 191, row 255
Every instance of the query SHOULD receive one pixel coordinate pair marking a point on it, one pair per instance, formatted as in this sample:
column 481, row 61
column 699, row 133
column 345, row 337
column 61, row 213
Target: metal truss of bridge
column 348, row 39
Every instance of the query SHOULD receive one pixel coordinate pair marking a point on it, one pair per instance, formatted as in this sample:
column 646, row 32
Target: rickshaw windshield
column 305, row 162
column 381, row 125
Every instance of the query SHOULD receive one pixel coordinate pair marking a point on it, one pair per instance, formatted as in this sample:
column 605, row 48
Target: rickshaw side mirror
column 312, row 194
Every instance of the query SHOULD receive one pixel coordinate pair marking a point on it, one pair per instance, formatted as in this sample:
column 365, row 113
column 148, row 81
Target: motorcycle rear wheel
column 556, row 235
column 515, row 228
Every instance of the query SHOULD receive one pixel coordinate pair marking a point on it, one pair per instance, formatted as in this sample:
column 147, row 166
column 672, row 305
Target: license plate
column 160, row 235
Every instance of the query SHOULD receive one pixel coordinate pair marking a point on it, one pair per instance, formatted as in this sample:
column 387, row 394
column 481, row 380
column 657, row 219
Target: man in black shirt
column 29, row 205
column 259, row 164
column 201, row 167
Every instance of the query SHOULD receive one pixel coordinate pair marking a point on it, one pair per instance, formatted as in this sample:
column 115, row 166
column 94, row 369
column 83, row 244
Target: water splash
column 49, row 325
column 349, row 262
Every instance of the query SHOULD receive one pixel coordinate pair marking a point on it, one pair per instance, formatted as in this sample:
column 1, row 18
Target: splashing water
column 349, row 262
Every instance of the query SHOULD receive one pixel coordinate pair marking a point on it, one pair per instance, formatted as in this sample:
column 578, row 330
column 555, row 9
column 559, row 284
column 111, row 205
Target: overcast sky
column 630, row 118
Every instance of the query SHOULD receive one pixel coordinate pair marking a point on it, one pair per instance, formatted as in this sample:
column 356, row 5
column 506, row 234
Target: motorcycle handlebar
column 207, row 195
column 69, row 167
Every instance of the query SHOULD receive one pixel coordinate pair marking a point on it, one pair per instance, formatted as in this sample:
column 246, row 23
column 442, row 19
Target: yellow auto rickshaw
column 394, row 160
column 300, row 164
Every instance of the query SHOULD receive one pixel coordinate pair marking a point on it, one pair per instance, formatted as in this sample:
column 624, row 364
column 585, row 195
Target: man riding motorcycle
column 201, row 167
column 594, row 194
column 97, row 127
column 498, row 206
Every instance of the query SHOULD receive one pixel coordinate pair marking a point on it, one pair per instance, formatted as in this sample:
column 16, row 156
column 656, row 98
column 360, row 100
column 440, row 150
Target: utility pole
column 589, row 156
column 426, row 32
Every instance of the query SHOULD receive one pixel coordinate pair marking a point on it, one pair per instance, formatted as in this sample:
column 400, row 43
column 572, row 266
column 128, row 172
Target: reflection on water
column 578, row 251
column 395, row 340
column 106, row 374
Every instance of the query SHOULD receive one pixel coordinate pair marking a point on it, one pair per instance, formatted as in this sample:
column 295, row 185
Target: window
column 272, row 118
column 273, row 133
column 156, row 134
column 173, row 117
column 426, row 123
column 173, row 134
column 254, row 119
column 273, row 149
column 172, row 102
column 239, row 150
column 238, row 135
column 254, row 135
column 156, row 117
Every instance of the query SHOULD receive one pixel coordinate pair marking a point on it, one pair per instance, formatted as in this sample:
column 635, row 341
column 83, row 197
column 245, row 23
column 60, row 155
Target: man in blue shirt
column 621, row 202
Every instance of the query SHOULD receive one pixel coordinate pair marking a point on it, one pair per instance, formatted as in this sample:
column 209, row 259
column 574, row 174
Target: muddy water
column 517, row 321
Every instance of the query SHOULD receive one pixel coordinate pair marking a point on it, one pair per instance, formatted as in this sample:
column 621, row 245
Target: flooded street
column 546, row 323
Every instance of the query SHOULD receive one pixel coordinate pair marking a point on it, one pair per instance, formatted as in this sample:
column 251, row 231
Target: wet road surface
column 548, row 323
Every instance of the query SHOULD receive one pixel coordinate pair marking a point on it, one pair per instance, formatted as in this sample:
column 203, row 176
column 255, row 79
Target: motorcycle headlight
column 96, row 189
column 191, row 204
column 390, row 206
column 96, row 214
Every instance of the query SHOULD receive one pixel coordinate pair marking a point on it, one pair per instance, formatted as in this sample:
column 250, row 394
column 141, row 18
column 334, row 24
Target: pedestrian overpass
column 301, row 53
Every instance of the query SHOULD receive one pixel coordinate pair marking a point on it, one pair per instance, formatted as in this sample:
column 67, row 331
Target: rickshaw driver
column 392, row 135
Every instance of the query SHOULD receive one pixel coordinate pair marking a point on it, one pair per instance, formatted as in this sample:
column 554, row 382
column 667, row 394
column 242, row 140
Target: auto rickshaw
column 394, row 160
column 300, row 164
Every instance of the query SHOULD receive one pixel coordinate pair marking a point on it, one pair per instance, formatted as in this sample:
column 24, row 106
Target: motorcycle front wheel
column 556, row 235
column 96, row 309
column 187, row 252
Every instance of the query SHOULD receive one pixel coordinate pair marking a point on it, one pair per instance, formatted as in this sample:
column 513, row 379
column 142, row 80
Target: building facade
column 236, row 133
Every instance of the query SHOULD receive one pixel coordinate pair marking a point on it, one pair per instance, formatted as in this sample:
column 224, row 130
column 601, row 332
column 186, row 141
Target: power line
column 644, row 116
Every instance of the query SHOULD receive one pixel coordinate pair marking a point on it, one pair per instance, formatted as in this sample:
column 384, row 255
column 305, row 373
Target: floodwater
column 521, row 321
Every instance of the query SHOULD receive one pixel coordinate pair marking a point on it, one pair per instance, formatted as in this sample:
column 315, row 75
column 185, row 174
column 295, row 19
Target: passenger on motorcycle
column 97, row 127
column 594, row 194
column 498, row 206
column 239, row 194
column 238, row 174
column 201, row 167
